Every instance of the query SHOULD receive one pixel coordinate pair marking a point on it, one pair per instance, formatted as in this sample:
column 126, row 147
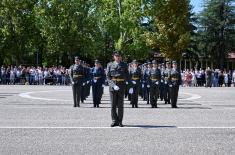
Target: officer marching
column 174, row 84
column 154, row 81
column 166, row 76
column 145, row 78
column 117, row 76
column 97, row 82
column 135, row 74
column 85, row 92
column 162, row 68
column 77, row 73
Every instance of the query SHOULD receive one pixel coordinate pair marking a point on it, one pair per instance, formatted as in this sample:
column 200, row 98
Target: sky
column 197, row 5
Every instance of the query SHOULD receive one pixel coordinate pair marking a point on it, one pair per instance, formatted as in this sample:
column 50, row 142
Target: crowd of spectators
column 59, row 75
column 22, row 75
column 197, row 78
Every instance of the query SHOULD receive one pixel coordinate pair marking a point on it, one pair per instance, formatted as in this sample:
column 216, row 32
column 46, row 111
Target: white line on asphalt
column 134, row 127
column 28, row 96
column 208, row 127
column 193, row 96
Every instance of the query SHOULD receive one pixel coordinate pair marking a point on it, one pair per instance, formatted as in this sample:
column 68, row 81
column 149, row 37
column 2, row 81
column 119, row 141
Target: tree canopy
column 52, row 32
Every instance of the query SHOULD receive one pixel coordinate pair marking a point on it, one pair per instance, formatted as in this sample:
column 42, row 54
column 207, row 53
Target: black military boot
column 113, row 124
column 120, row 124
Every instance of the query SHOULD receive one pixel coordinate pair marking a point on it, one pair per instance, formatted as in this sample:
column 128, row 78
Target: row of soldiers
column 151, row 82
column 120, row 77
column 83, row 78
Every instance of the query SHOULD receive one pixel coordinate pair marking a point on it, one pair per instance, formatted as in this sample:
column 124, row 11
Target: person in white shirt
column 12, row 76
column 233, row 78
column 40, row 76
column 46, row 75
column 226, row 78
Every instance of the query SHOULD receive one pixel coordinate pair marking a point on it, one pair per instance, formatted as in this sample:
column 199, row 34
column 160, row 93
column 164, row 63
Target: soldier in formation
column 118, row 77
column 97, row 81
column 135, row 74
column 153, row 81
column 77, row 78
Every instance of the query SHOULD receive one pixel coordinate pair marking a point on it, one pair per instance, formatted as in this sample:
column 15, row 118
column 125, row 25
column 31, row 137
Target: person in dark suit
column 117, row 76
column 77, row 73
column 97, row 81
column 135, row 74
column 166, row 76
column 175, row 82
column 154, row 82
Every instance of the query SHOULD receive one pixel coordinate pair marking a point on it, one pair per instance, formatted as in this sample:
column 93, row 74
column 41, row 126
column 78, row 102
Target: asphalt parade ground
column 42, row 120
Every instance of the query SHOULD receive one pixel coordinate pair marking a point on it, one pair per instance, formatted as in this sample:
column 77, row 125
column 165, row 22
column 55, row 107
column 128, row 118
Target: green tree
column 172, row 27
column 217, row 30
column 69, row 28
column 121, row 22
column 16, row 30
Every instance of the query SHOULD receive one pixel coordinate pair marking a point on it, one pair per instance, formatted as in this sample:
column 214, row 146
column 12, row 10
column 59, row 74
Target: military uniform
column 142, row 82
column 88, row 81
column 77, row 73
column 175, row 82
column 208, row 77
column 97, row 82
column 161, row 87
column 85, row 83
column 166, row 76
column 154, row 82
column 117, row 76
column 135, row 74
column 146, row 85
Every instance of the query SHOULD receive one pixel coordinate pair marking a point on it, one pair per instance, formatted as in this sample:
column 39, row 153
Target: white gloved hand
column 88, row 82
column 170, row 85
column 94, row 80
column 83, row 84
column 148, row 86
column 116, row 88
column 157, row 83
column 103, row 85
column 72, row 83
column 165, row 82
column 162, row 81
column 126, row 83
column 142, row 85
column 131, row 91
column 133, row 82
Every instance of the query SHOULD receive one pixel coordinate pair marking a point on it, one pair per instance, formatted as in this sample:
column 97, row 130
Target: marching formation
column 153, row 82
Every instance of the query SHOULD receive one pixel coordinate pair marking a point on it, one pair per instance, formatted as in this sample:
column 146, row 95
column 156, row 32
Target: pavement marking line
column 134, row 127
column 28, row 96
column 209, row 127
column 193, row 97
